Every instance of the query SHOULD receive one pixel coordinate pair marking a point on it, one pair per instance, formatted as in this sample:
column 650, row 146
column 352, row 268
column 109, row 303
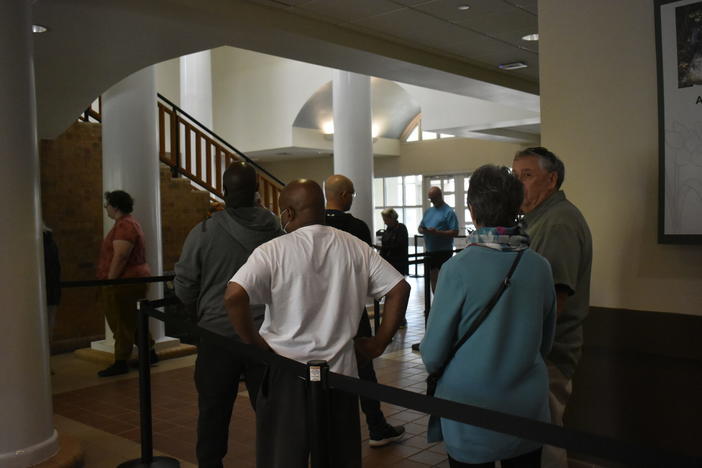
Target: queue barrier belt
column 577, row 441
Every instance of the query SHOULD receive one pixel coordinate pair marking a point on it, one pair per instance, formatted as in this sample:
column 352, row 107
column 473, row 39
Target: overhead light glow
column 38, row 28
column 463, row 7
column 531, row 37
column 375, row 131
column 328, row 127
column 512, row 66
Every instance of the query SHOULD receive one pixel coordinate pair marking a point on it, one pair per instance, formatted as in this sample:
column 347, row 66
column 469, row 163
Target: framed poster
column 679, row 54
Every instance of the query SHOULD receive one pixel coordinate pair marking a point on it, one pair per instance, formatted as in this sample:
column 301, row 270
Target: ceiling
column 429, row 43
column 487, row 34
column 392, row 108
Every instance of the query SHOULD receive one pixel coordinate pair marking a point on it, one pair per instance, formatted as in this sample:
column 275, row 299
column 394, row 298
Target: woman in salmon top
column 122, row 255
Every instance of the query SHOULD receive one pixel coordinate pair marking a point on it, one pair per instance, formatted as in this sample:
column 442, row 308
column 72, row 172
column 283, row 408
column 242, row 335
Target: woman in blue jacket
column 501, row 366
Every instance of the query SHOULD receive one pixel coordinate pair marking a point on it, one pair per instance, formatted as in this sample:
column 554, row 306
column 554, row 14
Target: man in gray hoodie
column 213, row 251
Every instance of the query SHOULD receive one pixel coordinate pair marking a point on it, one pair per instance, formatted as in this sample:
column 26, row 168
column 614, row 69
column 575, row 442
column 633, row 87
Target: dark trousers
column 217, row 374
column 528, row 460
column 371, row 408
column 282, row 435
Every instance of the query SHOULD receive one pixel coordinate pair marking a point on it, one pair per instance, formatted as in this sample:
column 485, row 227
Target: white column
column 130, row 163
column 353, row 139
column 27, row 435
column 196, row 86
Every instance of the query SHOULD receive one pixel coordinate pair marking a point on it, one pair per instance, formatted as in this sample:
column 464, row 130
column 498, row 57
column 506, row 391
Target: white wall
column 168, row 79
column 599, row 113
column 454, row 155
column 257, row 97
column 442, row 110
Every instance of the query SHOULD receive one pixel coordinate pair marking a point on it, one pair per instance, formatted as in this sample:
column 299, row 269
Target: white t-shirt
column 315, row 281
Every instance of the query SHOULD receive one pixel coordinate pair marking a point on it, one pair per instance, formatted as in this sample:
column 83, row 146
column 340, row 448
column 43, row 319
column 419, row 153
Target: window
column 467, row 219
column 414, row 135
column 417, row 134
column 404, row 194
column 454, row 188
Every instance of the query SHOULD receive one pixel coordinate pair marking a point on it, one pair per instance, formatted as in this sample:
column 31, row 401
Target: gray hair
column 547, row 160
column 390, row 213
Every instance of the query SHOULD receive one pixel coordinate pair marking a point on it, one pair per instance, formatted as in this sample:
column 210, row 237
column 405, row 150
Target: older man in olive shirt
column 559, row 232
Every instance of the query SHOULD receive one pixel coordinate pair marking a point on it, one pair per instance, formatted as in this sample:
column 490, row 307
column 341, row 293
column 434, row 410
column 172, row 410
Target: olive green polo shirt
column 559, row 232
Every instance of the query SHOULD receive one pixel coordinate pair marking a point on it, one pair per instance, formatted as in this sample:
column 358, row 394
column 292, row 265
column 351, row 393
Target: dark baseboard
column 71, row 344
column 640, row 379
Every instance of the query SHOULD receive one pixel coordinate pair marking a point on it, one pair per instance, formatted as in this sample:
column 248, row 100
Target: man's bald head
column 436, row 196
column 240, row 185
column 339, row 192
column 302, row 204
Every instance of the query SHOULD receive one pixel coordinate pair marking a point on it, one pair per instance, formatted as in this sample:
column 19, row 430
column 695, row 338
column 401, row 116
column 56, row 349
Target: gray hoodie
column 213, row 251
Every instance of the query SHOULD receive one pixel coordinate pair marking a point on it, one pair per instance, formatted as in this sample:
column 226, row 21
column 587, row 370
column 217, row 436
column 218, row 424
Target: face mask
column 283, row 227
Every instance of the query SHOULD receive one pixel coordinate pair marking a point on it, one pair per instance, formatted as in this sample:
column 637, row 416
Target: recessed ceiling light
column 512, row 66
column 38, row 28
column 531, row 37
column 463, row 7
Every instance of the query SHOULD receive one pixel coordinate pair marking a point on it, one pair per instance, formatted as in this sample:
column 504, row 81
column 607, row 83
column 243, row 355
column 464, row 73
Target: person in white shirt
column 315, row 281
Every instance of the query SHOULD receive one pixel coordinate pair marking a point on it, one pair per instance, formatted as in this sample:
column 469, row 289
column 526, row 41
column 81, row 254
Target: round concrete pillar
column 130, row 163
column 353, row 139
column 27, row 435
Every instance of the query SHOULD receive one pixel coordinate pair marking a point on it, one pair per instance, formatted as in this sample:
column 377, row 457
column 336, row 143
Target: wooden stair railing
column 91, row 113
column 192, row 150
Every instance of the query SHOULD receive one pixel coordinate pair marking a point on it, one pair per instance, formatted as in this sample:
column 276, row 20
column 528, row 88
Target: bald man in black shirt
column 340, row 193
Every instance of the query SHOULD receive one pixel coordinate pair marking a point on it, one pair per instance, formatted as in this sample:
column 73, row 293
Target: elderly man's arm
column 393, row 313
column 562, row 293
column 236, row 301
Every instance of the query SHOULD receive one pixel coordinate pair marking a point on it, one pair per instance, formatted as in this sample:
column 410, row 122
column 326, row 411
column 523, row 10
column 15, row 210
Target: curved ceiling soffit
column 392, row 107
column 73, row 64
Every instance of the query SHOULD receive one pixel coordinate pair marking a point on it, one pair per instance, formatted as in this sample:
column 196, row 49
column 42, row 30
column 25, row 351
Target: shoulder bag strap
column 483, row 313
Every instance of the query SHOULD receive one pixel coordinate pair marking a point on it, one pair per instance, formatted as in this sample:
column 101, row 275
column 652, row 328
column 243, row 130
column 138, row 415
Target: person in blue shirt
column 439, row 226
column 501, row 366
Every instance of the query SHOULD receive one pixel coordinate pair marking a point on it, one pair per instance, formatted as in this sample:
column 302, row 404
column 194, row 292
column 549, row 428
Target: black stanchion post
column 416, row 265
column 376, row 317
column 147, row 450
column 318, row 410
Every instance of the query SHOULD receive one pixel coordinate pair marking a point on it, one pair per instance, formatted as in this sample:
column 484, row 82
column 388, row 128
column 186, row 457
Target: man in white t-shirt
column 315, row 280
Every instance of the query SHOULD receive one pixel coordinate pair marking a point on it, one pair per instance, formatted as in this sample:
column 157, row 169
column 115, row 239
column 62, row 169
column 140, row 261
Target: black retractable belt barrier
column 147, row 279
column 147, row 453
column 577, row 441
column 318, row 411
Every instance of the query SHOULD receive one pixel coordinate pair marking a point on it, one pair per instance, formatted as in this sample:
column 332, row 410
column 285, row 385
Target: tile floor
column 103, row 414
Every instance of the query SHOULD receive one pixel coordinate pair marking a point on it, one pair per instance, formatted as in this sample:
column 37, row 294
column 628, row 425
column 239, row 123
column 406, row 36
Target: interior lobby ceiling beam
column 113, row 38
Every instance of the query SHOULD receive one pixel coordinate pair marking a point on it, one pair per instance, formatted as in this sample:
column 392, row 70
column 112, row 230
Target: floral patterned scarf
column 500, row 238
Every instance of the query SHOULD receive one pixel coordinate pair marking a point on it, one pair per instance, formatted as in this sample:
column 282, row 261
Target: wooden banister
column 181, row 144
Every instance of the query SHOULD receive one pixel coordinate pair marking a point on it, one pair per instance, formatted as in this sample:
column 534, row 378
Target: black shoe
column 118, row 368
column 415, row 347
column 388, row 435
column 153, row 360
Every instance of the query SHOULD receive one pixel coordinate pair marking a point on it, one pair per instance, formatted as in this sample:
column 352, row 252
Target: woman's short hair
column 390, row 213
column 121, row 200
column 495, row 196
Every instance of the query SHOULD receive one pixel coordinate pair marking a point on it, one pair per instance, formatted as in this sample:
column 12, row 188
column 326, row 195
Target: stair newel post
column 175, row 143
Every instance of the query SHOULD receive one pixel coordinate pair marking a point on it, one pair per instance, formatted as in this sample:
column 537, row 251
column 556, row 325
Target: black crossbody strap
column 483, row 313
